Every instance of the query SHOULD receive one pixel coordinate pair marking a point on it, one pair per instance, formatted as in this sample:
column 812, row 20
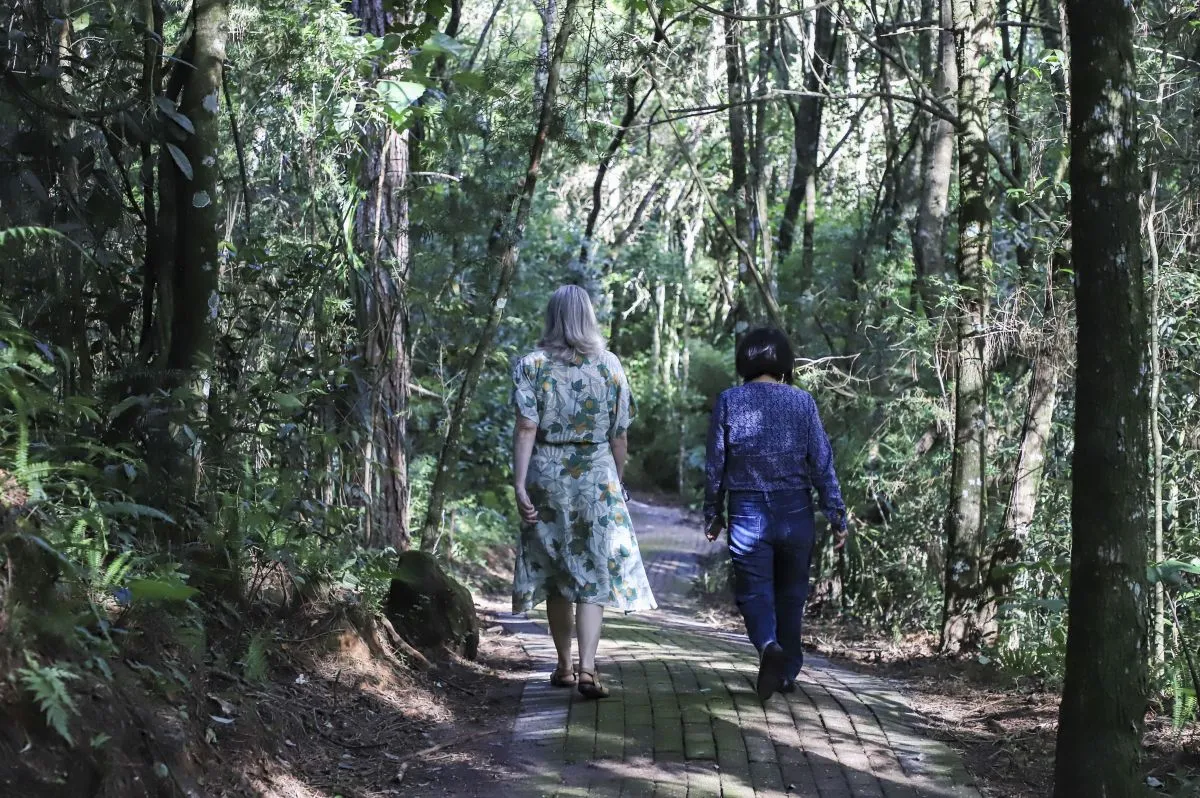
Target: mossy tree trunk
column 965, row 522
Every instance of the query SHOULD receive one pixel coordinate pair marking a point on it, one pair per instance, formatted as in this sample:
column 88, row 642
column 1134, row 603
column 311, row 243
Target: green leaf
column 289, row 402
column 471, row 80
column 132, row 510
column 81, row 22
column 125, row 404
column 160, row 590
column 169, row 110
column 441, row 44
column 398, row 96
column 181, row 160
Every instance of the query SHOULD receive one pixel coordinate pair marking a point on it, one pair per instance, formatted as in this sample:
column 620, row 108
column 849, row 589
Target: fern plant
column 255, row 665
column 48, row 686
column 1183, row 700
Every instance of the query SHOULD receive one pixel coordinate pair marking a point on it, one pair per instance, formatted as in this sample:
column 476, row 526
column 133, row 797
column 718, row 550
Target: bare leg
column 562, row 629
column 588, row 620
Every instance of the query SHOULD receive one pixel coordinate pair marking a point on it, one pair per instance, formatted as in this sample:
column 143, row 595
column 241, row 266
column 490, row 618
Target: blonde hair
column 571, row 329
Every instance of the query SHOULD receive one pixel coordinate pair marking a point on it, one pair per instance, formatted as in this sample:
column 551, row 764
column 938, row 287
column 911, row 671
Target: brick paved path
column 683, row 719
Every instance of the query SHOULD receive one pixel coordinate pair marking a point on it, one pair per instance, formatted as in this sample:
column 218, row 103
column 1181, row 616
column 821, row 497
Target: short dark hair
column 765, row 350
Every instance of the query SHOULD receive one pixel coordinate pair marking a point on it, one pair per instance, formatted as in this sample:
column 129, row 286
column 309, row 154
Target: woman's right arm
column 714, row 467
column 524, row 436
column 525, row 402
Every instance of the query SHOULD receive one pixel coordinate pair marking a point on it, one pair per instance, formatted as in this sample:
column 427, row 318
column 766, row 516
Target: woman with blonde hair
column 577, row 548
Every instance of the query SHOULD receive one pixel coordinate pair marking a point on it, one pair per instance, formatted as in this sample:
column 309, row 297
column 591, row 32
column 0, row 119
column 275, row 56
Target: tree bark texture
column 195, row 292
column 974, row 22
column 382, row 239
column 739, row 185
column 504, row 250
column 929, row 231
column 1104, row 692
column 806, row 139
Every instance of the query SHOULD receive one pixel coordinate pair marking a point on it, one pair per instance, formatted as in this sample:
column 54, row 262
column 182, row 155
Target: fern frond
column 48, row 686
column 254, row 664
column 28, row 233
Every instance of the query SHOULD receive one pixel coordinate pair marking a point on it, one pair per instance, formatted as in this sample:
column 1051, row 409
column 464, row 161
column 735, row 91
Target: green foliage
column 47, row 684
column 255, row 665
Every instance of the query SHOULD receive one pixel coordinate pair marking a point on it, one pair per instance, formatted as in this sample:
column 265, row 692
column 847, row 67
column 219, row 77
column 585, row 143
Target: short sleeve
column 624, row 407
column 524, row 394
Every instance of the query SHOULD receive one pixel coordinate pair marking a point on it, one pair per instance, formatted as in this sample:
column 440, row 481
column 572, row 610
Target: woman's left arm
column 620, row 452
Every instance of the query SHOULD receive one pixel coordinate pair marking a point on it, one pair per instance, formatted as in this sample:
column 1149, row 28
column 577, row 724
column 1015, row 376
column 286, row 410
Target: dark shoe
column 770, row 671
column 590, row 687
column 789, row 686
column 561, row 678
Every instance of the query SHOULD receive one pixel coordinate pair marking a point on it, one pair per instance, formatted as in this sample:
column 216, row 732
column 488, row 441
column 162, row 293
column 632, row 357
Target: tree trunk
column 929, row 232
column 197, row 238
column 1156, row 438
column 966, row 517
column 1014, row 62
column 739, row 183
column 504, row 251
column 806, row 140
column 382, row 239
column 1104, row 692
column 1027, row 480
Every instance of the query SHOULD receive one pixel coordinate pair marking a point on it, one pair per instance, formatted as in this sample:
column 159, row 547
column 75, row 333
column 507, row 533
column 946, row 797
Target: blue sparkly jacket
column 766, row 437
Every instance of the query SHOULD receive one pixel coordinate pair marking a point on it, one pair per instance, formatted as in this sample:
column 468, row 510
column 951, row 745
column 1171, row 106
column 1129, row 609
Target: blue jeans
column 771, row 539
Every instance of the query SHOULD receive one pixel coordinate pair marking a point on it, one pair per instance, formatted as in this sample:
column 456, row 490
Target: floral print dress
column 582, row 548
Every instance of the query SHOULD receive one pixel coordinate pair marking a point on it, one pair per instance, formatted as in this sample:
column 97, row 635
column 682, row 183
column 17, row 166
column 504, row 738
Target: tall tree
column 974, row 21
column 193, row 289
column 806, row 114
column 739, row 184
column 929, row 227
column 1104, row 693
column 382, row 239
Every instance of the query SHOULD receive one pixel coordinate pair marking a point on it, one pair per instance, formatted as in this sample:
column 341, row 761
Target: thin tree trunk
column 632, row 107
column 196, row 299
column 929, row 232
column 806, row 138
column 382, row 239
column 739, row 185
column 1013, row 64
column 504, row 251
column 967, row 515
column 1027, row 481
column 1103, row 706
column 1156, row 438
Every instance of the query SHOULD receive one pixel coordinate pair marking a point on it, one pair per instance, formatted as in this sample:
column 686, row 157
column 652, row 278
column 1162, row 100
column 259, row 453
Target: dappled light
column 475, row 398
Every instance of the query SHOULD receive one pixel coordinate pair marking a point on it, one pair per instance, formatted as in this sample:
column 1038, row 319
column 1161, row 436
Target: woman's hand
column 840, row 536
column 529, row 513
column 715, row 529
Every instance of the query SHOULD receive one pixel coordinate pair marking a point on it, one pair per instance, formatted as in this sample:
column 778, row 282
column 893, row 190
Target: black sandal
column 591, row 689
column 561, row 678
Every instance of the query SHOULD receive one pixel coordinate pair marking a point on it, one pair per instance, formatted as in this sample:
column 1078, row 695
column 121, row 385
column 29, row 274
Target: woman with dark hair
column 767, row 451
